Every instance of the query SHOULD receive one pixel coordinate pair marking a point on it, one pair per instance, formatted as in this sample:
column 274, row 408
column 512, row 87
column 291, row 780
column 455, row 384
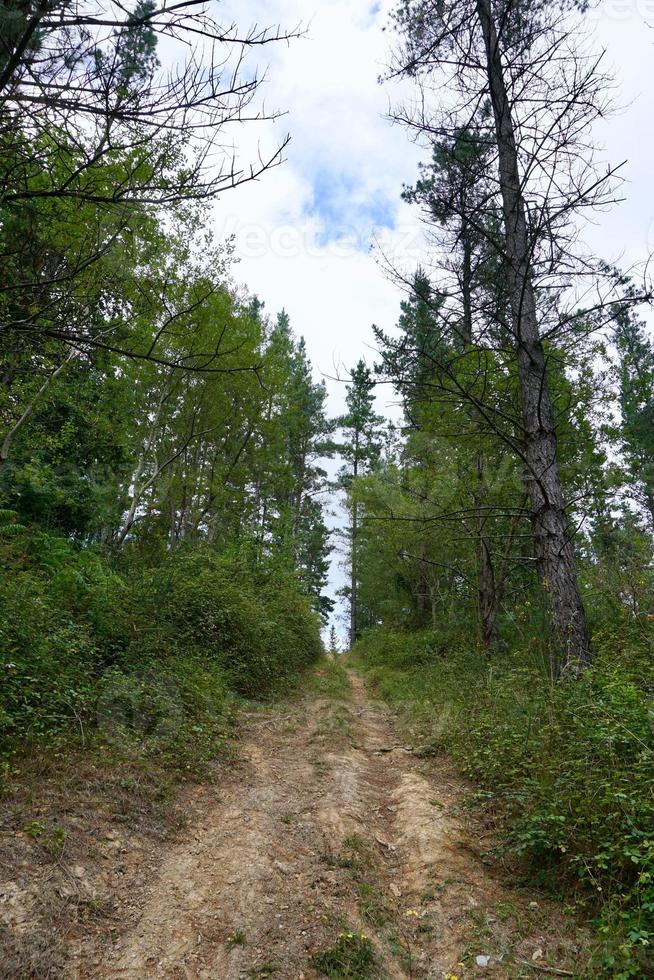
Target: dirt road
column 333, row 847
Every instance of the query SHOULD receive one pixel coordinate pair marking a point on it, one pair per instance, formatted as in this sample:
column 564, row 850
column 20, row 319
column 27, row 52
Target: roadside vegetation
column 164, row 494
column 502, row 540
column 564, row 770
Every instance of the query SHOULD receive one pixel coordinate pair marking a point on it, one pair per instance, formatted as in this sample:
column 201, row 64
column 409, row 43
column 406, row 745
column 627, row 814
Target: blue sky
column 343, row 205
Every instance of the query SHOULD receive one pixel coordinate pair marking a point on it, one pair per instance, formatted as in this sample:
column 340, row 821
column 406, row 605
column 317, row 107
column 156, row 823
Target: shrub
column 572, row 764
column 249, row 620
column 153, row 656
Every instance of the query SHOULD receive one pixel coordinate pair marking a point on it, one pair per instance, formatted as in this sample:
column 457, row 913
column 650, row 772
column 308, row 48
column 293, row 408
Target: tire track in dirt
column 330, row 823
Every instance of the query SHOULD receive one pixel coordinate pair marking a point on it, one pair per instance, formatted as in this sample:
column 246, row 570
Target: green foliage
column 249, row 619
column 635, row 377
column 571, row 764
column 352, row 956
column 330, row 680
column 148, row 659
column 9, row 524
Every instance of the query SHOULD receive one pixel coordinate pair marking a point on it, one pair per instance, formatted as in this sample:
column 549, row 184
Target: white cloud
column 304, row 230
column 346, row 166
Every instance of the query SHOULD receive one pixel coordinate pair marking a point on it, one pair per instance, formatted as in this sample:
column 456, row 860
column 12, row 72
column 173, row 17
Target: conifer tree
column 479, row 51
column 361, row 446
column 636, row 397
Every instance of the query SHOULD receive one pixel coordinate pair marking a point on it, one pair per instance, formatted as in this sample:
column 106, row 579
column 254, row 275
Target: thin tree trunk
column 486, row 585
column 353, row 557
column 553, row 547
column 353, row 579
column 486, row 589
column 7, row 442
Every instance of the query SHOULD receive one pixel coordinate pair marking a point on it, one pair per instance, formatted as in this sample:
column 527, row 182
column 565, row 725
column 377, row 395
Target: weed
column 34, row 829
column 372, row 903
column 54, row 844
column 265, row 970
column 237, row 938
column 351, row 958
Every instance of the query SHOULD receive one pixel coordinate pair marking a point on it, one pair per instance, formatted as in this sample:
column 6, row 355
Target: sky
column 304, row 231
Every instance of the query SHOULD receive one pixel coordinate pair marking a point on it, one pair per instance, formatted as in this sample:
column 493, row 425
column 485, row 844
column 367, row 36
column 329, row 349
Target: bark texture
column 553, row 547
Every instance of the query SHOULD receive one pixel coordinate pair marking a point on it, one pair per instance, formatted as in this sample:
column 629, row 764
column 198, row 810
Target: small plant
column 52, row 840
column 237, row 938
column 34, row 829
column 10, row 526
column 54, row 844
column 353, row 956
column 371, row 903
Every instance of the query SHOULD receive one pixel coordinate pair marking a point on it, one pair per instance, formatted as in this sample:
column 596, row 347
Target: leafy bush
column 151, row 657
column 251, row 621
column 572, row 764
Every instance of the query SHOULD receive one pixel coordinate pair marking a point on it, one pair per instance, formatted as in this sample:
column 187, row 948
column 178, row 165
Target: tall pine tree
column 361, row 430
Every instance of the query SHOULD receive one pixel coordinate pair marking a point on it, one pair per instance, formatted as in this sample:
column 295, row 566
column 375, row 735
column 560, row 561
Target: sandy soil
column 330, row 824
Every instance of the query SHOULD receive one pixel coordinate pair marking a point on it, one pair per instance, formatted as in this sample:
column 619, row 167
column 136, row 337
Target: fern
column 9, row 524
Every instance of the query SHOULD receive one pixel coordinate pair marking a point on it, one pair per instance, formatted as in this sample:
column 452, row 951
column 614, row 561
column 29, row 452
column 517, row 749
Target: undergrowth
column 329, row 680
column 352, row 957
column 569, row 763
column 147, row 660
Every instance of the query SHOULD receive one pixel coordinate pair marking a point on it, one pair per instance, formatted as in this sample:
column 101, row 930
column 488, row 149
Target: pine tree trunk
column 353, row 580
column 353, row 555
column 553, row 547
column 486, row 589
column 486, row 585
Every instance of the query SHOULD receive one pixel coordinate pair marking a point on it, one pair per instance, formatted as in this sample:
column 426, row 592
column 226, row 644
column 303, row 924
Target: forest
column 175, row 487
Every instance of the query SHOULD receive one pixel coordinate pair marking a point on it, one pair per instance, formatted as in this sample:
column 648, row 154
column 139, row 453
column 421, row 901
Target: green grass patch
column 329, row 680
column 352, row 957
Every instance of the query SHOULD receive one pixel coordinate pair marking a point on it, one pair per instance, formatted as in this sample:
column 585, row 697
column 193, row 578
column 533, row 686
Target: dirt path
column 331, row 829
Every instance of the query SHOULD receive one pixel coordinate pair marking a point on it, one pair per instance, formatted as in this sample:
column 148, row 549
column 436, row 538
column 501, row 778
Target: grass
column 352, row 957
column 329, row 680
column 265, row 970
column 335, row 725
column 358, row 858
column 237, row 938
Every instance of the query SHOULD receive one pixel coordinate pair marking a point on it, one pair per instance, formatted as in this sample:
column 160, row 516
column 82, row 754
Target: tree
column 635, row 370
column 333, row 640
column 414, row 361
column 84, row 84
column 291, row 482
column 361, row 447
column 539, row 177
column 104, row 154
